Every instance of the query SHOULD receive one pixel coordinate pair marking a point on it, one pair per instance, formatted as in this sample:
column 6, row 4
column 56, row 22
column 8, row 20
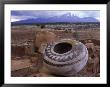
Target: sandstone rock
column 37, row 61
column 44, row 37
column 20, row 64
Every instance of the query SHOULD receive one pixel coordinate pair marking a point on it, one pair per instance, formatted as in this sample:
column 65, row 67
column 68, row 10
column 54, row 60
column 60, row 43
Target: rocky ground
column 32, row 65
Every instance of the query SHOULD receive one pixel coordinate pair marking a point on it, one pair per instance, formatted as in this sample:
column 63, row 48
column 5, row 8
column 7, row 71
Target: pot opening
column 62, row 47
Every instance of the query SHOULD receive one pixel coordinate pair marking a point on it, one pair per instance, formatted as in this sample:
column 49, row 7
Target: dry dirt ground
column 24, row 62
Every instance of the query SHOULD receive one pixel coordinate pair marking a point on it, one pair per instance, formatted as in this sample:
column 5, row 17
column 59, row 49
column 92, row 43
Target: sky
column 17, row 15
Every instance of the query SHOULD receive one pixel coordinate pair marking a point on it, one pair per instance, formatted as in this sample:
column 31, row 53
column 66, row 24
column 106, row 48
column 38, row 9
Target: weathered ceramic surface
column 67, row 63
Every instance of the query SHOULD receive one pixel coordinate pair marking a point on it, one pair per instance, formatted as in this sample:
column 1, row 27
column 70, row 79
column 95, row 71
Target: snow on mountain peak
column 68, row 17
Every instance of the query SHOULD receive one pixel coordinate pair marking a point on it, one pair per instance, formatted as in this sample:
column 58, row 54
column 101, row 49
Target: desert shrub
column 42, row 26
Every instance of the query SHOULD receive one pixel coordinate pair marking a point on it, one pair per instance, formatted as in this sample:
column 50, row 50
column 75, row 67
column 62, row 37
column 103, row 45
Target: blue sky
column 29, row 14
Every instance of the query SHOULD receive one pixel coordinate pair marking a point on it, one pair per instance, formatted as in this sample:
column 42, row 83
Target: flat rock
column 20, row 64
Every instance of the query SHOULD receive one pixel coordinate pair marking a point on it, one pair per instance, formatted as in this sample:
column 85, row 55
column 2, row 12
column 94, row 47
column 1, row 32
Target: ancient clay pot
column 65, row 57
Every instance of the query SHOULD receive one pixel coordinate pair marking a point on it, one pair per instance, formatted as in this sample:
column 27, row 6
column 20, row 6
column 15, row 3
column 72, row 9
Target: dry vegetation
column 27, row 62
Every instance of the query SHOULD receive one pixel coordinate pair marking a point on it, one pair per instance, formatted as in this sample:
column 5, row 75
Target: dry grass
column 24, row 34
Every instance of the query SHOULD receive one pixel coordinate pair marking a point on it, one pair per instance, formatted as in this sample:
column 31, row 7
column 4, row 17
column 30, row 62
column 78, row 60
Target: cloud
column 81, row 14
column 18, row 18
column 26, row 14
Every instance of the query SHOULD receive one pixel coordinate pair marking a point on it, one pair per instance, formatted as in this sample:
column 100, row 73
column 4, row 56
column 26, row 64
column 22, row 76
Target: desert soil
column 23, row 63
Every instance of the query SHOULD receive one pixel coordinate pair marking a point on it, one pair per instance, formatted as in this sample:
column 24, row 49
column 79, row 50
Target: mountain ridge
column 63, row 18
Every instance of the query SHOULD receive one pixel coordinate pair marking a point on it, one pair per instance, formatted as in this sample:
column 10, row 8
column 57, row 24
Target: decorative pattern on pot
column 65, row 57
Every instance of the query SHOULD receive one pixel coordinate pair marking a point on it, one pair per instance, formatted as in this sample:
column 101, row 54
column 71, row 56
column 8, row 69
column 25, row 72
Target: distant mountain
column 63, row 18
